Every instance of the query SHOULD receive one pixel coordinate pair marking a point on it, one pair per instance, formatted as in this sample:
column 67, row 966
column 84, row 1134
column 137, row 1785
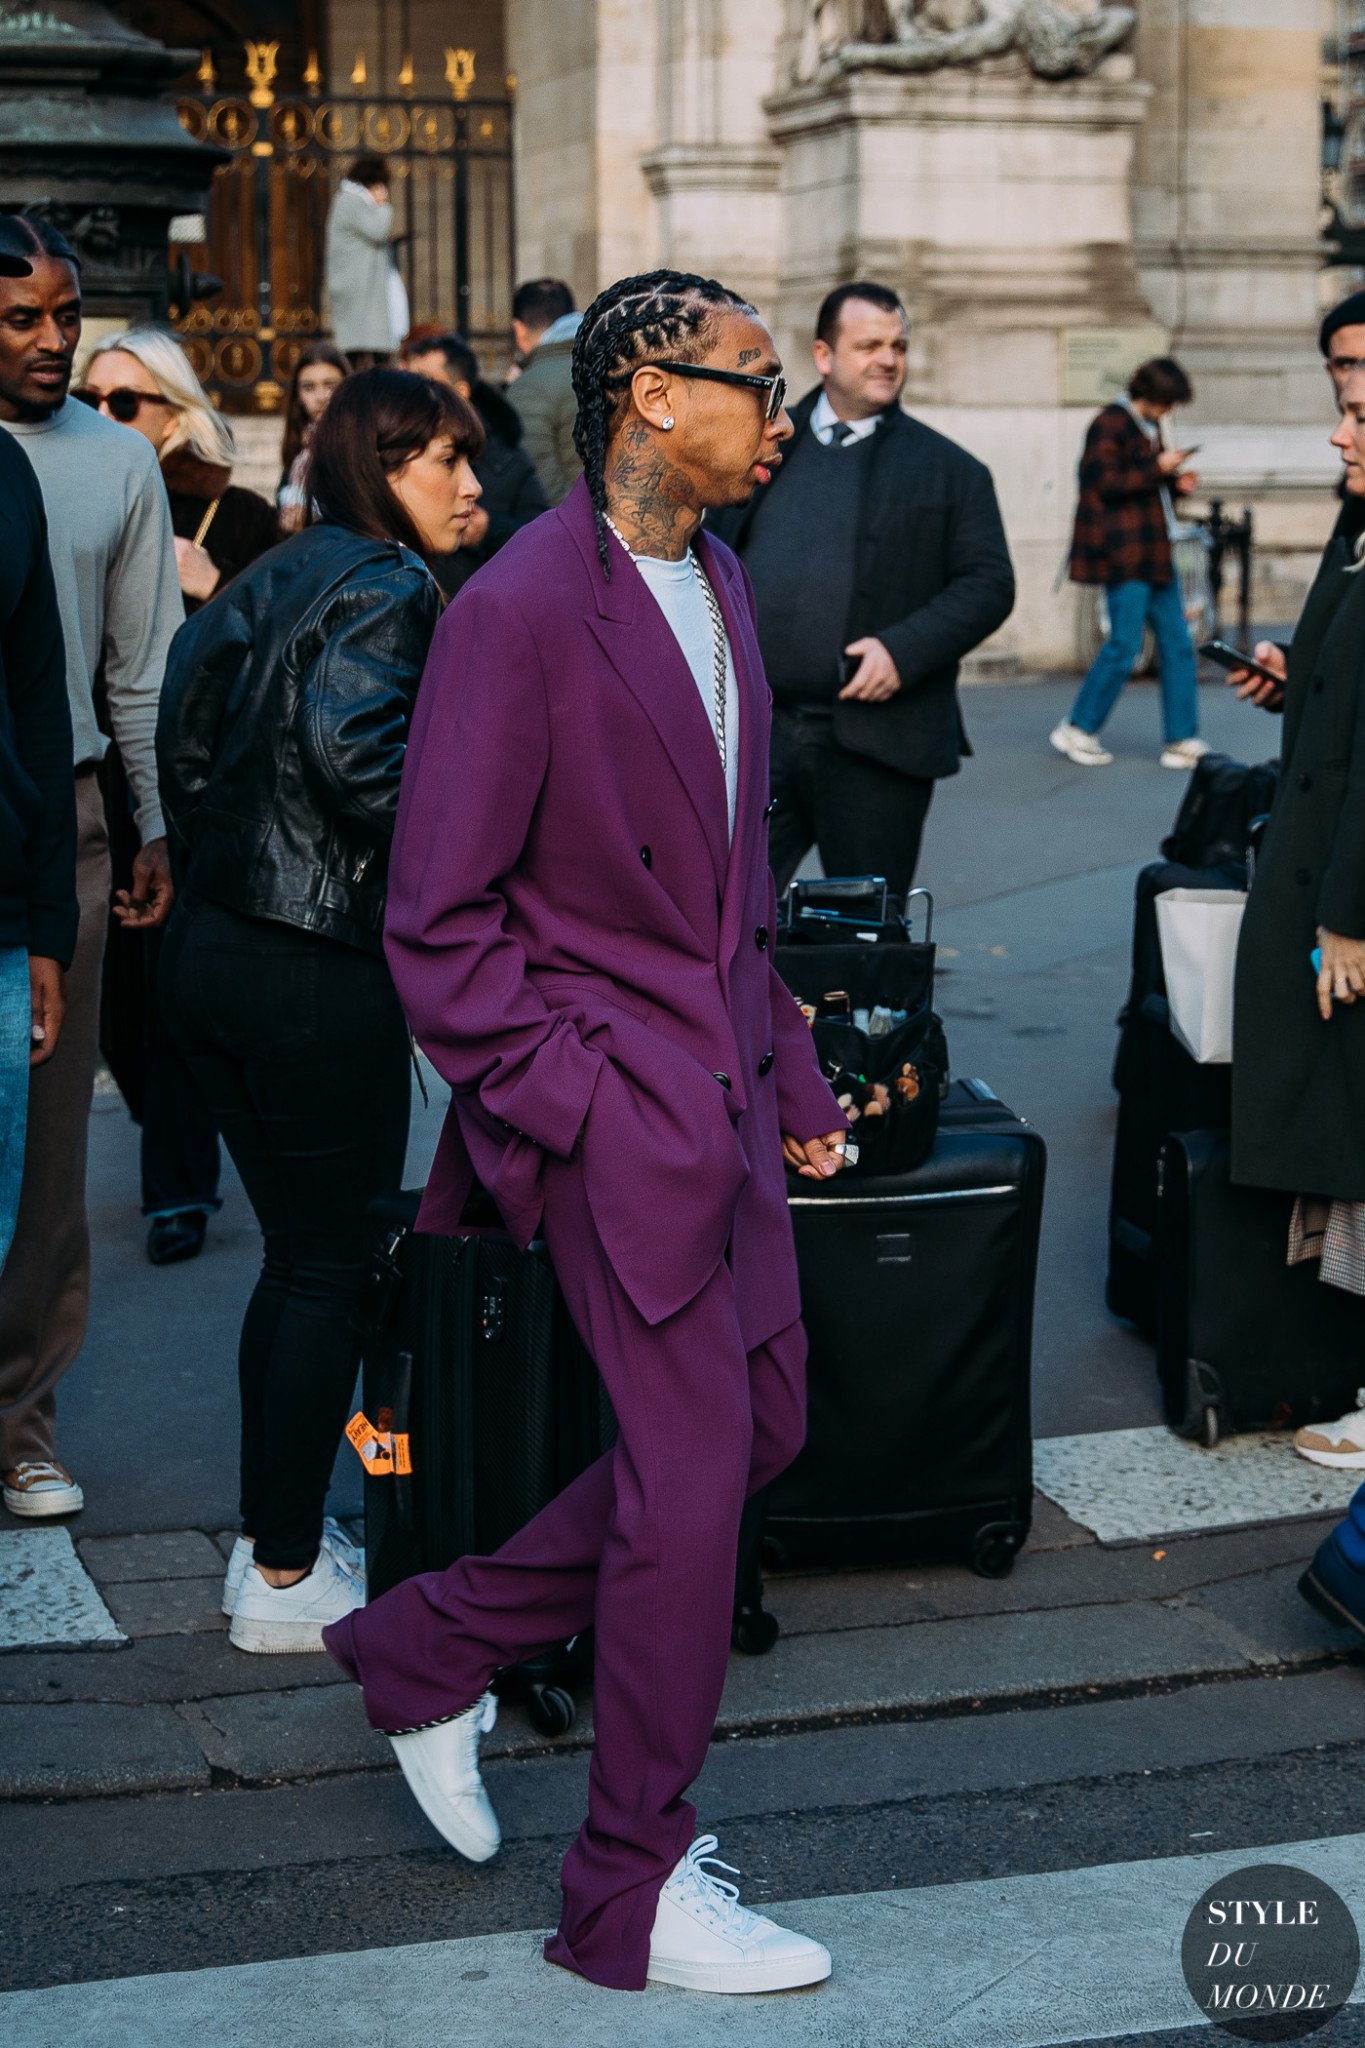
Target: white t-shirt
column 678, row 591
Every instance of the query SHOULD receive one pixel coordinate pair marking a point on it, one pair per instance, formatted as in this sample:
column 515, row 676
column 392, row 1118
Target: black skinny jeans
column 299, row 1046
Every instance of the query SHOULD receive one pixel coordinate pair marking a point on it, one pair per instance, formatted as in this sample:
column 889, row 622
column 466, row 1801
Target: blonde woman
column 143, row 379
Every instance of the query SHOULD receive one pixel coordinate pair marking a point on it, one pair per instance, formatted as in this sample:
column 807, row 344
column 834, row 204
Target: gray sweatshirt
column 118, row 589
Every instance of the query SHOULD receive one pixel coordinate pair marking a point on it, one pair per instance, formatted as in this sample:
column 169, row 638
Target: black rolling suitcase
column 1160, row 1089
column 471, row 1355
column 917, row 1295
column 1245, row 1341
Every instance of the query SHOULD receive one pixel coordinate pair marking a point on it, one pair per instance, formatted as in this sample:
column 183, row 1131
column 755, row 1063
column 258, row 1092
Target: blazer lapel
column 639, row 643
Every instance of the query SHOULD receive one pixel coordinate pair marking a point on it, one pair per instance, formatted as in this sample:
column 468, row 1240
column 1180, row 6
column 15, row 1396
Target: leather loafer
column 173, row 1238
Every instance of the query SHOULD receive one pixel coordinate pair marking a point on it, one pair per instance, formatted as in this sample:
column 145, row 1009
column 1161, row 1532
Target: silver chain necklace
column 719, row 661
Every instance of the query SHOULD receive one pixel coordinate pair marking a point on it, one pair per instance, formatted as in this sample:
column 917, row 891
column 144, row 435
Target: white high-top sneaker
column 705, row 1940
column 441, row 1765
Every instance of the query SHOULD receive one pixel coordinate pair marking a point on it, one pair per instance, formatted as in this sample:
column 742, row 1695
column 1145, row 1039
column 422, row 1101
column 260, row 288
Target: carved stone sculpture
column 1051, row 38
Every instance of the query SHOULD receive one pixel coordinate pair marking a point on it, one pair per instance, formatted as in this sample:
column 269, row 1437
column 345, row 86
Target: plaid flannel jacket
column 1120, row 534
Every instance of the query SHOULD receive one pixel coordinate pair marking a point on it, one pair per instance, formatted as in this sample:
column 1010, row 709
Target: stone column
column 586, row 115
column 1226, row 198
column 997, row 204
column 714, row 172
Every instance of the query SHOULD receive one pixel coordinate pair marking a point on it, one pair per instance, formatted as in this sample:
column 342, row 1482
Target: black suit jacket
column 932, row 579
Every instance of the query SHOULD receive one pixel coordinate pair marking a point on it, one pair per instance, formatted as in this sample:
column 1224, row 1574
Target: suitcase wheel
column 551, row 1709
column 754, row 1630
column 994, row 1549
column 1209, row 1432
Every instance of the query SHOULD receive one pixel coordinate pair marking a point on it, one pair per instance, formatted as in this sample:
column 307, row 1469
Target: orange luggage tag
column 379, row 1452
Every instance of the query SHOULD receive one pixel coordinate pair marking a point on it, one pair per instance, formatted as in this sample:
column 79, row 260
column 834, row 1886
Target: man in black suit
column 879, row 560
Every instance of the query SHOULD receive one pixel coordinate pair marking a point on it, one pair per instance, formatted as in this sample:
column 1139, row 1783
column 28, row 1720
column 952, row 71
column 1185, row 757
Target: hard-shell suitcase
column 1245, row 1341
column 471, row 1355
column 1160, row 1089
column 917, row 1295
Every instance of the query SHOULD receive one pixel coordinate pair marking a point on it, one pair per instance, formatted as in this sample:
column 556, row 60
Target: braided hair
column 666, row 311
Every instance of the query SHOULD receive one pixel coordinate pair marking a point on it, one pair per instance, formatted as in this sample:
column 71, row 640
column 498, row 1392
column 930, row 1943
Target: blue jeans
column 1350, row 1534
column 16, row 1019
column 1130, row 607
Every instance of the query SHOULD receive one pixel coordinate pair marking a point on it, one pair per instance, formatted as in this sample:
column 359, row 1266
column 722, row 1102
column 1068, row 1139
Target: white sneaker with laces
column 39, row 1487
column 244, row 1549
column 441, row 1765
column 1339, row 1443
column 1081, row 747
column 280, row 1620
column 1183, row 753
column 705, row 1940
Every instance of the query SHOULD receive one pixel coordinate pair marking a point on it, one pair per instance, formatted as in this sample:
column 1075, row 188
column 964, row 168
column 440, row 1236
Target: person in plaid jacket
column 1122, row 540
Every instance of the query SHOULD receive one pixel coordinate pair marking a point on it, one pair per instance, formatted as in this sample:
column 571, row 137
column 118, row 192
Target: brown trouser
column 45, row 1290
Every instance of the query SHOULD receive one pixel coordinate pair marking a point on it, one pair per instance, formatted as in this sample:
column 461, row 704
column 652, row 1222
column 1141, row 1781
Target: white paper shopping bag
column 1198, row 929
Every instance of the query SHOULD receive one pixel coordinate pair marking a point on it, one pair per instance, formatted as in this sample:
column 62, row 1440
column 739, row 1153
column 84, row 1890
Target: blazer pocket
column 596, row 987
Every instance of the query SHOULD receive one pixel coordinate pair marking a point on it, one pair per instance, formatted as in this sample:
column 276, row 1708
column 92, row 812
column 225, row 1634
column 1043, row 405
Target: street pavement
column 997, row 1799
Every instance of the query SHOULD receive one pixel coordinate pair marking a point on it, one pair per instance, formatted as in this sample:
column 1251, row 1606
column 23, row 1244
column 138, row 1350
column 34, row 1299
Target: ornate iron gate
column 450, row 156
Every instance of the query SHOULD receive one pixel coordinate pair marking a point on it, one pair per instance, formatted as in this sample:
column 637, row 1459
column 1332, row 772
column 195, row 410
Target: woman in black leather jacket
column 284, row 718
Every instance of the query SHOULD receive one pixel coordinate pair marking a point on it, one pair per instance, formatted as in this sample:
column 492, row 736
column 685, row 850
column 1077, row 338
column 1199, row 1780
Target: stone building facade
column 1056, row 187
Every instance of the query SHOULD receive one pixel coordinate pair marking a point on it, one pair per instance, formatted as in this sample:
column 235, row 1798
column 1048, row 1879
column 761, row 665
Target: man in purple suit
column 580, row 919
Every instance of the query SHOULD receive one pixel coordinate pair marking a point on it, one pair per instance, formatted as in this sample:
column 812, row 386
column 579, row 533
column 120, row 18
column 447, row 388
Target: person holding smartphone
column 1125, row 521
column 1298, row 1069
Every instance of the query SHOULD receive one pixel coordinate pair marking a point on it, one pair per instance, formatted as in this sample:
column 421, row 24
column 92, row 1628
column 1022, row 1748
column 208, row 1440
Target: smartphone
column 1232, row 658
column 849, row 665
column 1194, row 450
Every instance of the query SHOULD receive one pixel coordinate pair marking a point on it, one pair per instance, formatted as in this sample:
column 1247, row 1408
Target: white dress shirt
column 825, row 419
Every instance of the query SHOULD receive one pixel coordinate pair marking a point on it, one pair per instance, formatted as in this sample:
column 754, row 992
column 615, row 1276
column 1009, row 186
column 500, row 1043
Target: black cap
column 1350, row 313
column 15, row 259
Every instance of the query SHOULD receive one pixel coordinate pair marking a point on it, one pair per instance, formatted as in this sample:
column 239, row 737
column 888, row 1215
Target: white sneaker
column 441, row 1765
column 705, row 1940
column 1336, row 1443
column 1183, row 753
column 243, row 1550
column 39, row 1487
column 278, row 1620
column 1081, row 747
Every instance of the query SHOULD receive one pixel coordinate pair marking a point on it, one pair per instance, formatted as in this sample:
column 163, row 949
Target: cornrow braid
column 637, row 317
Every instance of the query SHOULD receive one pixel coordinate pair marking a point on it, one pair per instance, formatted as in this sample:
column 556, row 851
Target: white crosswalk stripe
column 1015, row 1962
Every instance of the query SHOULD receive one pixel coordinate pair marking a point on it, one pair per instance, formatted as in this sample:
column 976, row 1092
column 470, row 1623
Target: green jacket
column 543, row 396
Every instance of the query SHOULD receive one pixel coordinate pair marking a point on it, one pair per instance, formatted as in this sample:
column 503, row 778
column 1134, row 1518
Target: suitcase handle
column 907, row 916
column 404, row 1504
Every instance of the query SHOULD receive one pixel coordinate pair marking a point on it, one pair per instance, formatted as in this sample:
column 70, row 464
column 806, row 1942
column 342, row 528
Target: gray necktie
column 841, row 435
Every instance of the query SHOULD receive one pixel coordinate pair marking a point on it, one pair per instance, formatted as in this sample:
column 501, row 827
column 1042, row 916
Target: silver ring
column 848, row 1151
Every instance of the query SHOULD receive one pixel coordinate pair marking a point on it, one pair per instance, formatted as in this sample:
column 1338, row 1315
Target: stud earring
column 666, row 424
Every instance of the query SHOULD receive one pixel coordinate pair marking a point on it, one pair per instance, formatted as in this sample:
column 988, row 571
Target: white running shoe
column 1183, row 753
column 40, row 1487
column 280, row 1620
column 1081, row 747
column 243, row 1550
column 441, row 1765
column 704, row 1940
column 1336, row 1443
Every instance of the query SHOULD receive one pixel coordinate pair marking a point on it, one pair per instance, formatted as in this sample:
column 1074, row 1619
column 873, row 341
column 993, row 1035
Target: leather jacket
column 284, row 720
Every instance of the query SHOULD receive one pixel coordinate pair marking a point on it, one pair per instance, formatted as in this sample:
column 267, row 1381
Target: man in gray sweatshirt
column 113, row 563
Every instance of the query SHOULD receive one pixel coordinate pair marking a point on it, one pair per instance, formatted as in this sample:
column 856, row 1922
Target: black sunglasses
column 123, row 404
column 775, row 386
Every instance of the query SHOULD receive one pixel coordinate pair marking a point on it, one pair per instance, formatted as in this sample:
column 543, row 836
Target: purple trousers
column 641, row 1547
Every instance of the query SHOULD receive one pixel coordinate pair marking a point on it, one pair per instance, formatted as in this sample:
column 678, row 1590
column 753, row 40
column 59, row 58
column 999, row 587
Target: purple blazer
column 581, row 955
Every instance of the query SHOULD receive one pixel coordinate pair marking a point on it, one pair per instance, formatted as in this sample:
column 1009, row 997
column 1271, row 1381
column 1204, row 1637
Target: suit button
column 761, row 938
column 724, row 1079
column 770, row 808
column 646, row 856
column 1305, row 782
column 1303, row 876
column 765, row 1064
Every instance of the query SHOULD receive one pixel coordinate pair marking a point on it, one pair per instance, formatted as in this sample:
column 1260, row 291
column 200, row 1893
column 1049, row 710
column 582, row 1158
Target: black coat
column 1298, row 1084
column 283, row 723
column 242, row 528
column 37, row 784
column 932, row 580
column 512, row 492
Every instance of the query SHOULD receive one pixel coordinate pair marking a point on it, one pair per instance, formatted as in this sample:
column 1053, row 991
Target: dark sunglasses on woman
column 123, row 404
